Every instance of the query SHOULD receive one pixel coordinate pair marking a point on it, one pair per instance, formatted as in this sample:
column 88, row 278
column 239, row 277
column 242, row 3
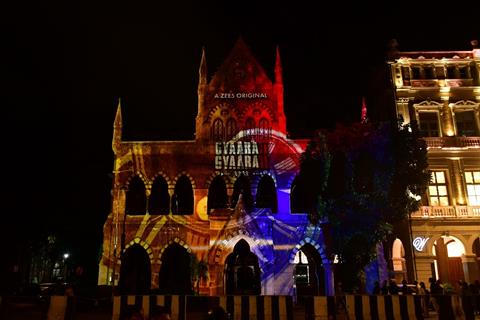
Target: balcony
column 452, row 142
column 451, row 212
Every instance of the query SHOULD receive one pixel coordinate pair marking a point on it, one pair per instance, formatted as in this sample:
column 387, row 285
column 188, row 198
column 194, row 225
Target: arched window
column 135, row 277
column 242, row 185
column 249, row 123
column 136, row 198
column 266, row 194
column 264, row 123
column 231, row 128
column 218, row 130
column 217, row 194
column 298, row 198
column 159, row 202
column 182, row 200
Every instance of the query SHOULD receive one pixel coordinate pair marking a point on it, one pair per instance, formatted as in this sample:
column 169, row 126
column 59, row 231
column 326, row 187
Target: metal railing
column 452, row 142
column 457, row 212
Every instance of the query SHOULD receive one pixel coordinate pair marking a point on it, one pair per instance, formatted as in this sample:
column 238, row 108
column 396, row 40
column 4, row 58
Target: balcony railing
column 452, row 142
column 458, row 212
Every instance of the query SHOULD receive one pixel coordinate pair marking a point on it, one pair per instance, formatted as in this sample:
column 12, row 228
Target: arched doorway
column 309, row 274
column 242, row 272
column 448, row 251
column 174, row 276
column 398, row 261
column 135, row 277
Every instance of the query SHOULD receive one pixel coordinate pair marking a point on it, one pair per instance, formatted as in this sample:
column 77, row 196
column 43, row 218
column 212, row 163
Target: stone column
column 447, row 118
column 470, row 268
column 457, row 181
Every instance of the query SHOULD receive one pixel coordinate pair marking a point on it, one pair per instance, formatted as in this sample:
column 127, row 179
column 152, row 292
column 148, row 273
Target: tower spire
column 278, row 89
column 117, row 128
column 364, row 118
column 203, row 69
column 278, row 68
column 202, row 87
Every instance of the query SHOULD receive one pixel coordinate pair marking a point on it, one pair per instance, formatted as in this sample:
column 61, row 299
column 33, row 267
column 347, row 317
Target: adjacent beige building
column 440, row 91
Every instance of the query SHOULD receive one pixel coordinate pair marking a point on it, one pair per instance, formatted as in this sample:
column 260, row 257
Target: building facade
column 440, row 91
column 220, row 214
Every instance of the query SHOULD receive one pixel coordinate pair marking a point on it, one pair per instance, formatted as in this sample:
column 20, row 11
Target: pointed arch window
column 264, row 123
column 218, row 130
column 182, row 199
column 298, row 197
column 136, row 198
column 249, row 123
column 217, row 194
column 231, row 128
column 159, row 201
column 266, row 194
column 242, row 186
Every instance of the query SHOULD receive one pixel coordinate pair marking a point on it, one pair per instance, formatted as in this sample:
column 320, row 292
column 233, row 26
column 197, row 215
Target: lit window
column 438, row 191
column 472, row 178
column 428, row 124
column 465, row 121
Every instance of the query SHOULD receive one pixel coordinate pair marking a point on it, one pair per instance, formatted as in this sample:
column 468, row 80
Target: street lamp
column 65, row 257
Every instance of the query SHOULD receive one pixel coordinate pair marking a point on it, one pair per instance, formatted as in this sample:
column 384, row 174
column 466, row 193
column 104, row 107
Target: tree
column 360, row 181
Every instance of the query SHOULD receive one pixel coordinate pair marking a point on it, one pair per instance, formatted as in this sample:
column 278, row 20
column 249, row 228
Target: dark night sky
column 63, row 69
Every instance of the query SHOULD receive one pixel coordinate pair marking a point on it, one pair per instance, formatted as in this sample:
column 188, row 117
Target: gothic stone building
column 220, row 214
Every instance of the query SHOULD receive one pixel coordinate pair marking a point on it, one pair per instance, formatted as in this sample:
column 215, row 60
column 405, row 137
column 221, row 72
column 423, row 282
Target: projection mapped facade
column 218, row 214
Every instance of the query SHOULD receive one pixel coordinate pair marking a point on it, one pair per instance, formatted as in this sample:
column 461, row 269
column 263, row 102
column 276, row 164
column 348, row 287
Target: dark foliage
column 360, row 181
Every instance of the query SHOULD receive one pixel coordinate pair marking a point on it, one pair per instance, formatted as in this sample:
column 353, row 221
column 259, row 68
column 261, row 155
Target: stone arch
column 298, row 201
column 174, row 275
column 159, row 198
column 242, row 270
column 315, row 244
column 266, row 195
column 469, row 247
column 184, row 173
column 431, row 241
column 217, row 194
column 182, row 200
column 242, row 184
column 164, row 176
column 175, row 240
column 448, row 258
column 264, row 111
column 227, row 179
column 217, row 130
column 217, row 111
column 309, row 274
column 142, row 243
column 135, row 271
column 225, row 247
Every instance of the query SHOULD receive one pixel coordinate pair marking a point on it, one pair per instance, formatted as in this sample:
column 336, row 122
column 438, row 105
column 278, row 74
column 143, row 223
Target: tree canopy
column 360, row 180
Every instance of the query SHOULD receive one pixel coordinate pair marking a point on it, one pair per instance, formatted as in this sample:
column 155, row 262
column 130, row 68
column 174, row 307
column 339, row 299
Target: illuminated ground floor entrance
column 239, row 253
